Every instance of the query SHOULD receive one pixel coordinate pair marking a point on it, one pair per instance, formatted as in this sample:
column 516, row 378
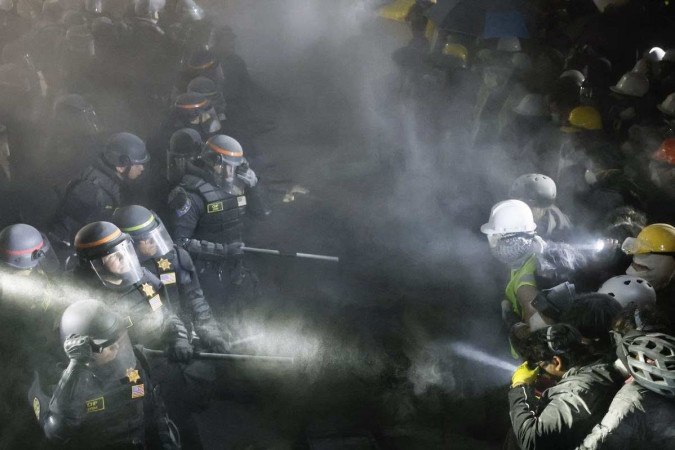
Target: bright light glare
column 599, row 245
column 470, row 352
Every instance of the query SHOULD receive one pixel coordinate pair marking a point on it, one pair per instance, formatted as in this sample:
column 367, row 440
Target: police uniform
column 202, row 210
column 101, row 411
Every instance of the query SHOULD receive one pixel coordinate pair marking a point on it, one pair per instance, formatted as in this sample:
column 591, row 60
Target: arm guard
column 174, row 330
column 66, row 407
column 204, row 250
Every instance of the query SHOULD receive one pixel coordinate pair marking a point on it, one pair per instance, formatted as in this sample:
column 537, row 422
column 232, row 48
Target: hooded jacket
column 637, row 419
column 566, row 412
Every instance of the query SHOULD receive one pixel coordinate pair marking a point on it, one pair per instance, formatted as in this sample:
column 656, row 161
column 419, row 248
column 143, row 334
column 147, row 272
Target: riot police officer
column 27, row 322
column 208, row 205
column 100, row 188
column 184, row 146
column 105, row 398
column 194, row 110
column 108, row 260
column 173, row 266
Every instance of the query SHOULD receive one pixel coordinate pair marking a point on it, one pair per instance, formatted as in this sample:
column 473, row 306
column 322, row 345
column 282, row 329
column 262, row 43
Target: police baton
column 267, row 251
column 227, row 356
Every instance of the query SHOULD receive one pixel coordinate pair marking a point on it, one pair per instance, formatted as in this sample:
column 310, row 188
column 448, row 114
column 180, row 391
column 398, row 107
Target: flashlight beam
column 472, row 353
column 227, row 356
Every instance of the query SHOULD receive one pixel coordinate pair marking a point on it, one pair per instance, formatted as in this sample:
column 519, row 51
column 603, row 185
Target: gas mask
column 512, row 249
column 655, row 268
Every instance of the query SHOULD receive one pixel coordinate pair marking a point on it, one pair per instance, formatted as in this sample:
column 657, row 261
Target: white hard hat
column 574, row 75
column 510, row 216
column 532, row 105
column 509, row 44
column 632, row 83
column 641, row 66
column 668, row 105
column 628, row 288
column 655, row 54
column 534, row 188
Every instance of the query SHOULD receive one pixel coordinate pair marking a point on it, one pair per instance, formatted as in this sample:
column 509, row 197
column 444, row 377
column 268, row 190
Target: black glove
column 212, row 338
column 78, row 348
column 180, row 351
column 235, row 248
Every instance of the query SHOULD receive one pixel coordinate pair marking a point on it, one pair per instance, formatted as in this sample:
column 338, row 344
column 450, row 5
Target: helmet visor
column 154, row 244
column 115, row 360
column 120, row 267
column 634, row 246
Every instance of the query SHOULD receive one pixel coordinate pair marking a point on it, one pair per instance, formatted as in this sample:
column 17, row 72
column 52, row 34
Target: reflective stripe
column 108, row 238
column 193, row 105
column 22, row 252
column 141, row 226
column 223, row 151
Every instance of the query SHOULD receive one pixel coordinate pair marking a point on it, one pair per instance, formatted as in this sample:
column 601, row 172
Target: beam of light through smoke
column 472, row 353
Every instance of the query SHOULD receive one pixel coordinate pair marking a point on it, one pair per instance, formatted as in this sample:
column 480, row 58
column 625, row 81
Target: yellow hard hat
column 583, row 118
column 655, row 238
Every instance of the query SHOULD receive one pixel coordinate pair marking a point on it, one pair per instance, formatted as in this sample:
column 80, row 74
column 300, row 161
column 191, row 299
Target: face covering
column 659, row 271
column 512, row 250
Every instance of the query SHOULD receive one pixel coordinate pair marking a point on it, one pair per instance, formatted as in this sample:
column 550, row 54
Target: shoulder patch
column 179, row 201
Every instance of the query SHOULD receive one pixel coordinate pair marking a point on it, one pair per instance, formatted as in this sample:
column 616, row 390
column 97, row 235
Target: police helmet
column 222, row 149
column 124, row 150
column 22, row 246
column 94, row 319
column 185, row 142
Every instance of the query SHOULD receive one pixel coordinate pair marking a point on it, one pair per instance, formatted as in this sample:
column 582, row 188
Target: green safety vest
column 522, row 276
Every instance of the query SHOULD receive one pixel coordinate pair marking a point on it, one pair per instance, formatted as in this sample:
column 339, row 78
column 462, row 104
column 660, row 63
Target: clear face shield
column 207, row 121
column 223, row 173
column 114, row 361
column 154, row 244
column 119, row 268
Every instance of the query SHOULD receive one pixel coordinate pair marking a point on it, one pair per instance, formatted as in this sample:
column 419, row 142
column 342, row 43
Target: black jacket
column 566, row 412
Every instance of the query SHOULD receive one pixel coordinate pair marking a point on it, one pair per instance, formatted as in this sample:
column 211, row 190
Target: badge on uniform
column 168, row 278
column 241, row 201
column 137, row 391
column 133, row 375
column 155, row 302
column 97, row 404
column 164, row 264
column 214, row 207
column 36, row 407
column 148, row 290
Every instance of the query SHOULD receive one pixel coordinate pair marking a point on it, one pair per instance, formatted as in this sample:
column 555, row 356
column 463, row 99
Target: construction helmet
column 629, row 289
column 633, row 84
column 583, row 118
column 532, row 105
column 650, row 359
column 457, row 52
column 509, row 216
column 534, row 189
column 665, row 153
column 655, row 54
column 654, row 238
column 641, row 66
column 576, row 76
column 668, row 105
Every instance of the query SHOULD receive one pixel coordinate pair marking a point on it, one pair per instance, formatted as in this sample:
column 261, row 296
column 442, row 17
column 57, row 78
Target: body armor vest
column 145, row 310
column 224, row 208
